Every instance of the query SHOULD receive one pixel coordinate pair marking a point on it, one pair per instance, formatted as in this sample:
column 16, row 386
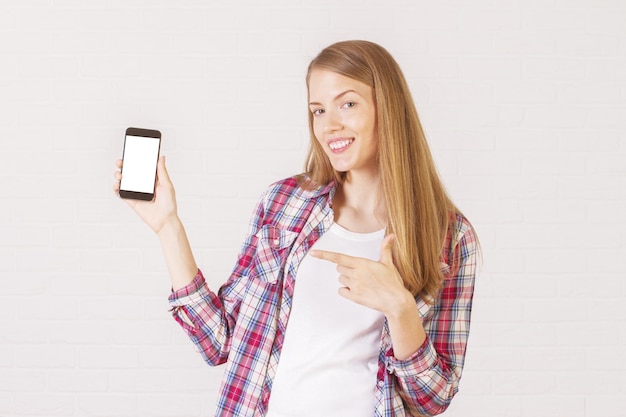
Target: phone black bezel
column 147, row 133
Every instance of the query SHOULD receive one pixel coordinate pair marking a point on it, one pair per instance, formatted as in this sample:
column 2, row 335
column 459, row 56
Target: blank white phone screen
column 139, row 170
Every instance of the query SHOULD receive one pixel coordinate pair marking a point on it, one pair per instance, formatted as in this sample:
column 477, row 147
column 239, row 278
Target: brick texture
column 523, row 102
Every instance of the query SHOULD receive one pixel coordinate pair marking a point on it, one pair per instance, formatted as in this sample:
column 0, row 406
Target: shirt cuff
column 421, row 361
column 186, row 294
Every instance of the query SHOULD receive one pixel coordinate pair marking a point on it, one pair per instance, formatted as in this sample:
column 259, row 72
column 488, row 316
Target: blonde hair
column 419, row 211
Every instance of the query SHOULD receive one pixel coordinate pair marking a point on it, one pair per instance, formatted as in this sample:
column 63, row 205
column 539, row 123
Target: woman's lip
column 338, row 145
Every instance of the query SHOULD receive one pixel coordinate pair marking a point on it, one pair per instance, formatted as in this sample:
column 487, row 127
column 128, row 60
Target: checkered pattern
column 243, row 325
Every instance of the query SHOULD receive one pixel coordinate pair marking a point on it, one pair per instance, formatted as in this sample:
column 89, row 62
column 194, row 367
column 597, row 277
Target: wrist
column 170, row 227
column 404, row 306
column 405, row 327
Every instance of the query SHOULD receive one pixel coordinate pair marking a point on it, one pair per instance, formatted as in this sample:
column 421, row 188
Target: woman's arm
column 428, row 380
column 209, row 318
column 179, row 259
column 161, row 216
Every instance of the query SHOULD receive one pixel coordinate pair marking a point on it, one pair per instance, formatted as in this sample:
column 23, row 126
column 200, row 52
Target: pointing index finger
column 334, row 257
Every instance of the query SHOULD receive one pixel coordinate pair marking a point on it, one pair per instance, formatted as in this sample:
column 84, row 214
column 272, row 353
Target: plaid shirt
column 243, row 325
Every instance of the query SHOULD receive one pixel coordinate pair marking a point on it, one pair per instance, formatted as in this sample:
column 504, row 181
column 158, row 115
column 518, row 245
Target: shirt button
column 276, row 242
column 380, row 384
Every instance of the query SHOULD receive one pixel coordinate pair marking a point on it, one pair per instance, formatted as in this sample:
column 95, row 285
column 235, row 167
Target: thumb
column 386, row 254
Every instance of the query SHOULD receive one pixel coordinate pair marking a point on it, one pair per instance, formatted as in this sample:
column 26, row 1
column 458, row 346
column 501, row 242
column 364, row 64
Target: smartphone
column 140, row 157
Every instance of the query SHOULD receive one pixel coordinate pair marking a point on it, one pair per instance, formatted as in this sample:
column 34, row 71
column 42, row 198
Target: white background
column 523, row 102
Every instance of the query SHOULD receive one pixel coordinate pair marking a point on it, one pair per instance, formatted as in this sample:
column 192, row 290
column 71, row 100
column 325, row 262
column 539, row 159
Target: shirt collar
column 327, row 189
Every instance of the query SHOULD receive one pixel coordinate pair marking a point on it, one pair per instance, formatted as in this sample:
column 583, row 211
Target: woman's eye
column 317, row 112
column 349, row 104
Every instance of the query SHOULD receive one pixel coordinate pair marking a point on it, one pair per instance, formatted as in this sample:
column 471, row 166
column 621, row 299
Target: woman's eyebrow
column 337, row 97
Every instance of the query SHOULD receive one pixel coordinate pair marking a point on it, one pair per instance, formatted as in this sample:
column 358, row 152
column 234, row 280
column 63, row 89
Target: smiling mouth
column 339, row 145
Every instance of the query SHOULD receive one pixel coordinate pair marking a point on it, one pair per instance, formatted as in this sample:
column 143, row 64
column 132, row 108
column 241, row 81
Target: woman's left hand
column 374, row 284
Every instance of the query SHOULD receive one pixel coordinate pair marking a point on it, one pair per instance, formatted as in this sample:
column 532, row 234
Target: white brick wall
column 524, row 104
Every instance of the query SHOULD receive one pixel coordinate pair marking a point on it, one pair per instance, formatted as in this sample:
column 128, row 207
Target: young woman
column 352, row 293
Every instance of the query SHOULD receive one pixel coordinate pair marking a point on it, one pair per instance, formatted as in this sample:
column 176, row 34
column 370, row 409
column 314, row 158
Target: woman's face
column 344, row 120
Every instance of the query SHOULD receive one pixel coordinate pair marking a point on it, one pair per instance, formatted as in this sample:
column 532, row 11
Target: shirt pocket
column 273, row 247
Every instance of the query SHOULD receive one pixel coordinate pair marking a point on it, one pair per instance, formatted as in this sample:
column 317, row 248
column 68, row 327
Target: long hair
column 419, row 211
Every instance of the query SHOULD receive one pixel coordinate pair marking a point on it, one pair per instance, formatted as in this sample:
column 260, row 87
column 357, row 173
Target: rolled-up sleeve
column 199, row 311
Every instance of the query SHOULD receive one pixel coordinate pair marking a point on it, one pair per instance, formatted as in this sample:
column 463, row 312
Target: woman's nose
column 332, row 122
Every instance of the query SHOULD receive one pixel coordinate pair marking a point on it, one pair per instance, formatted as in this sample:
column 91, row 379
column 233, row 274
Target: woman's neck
column 358, row 205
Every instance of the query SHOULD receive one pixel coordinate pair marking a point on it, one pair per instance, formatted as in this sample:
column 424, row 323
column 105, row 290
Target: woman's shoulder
column 461, row 243
column 288, row 202
column 462, row 234
column 461, row 224
column 297, row 186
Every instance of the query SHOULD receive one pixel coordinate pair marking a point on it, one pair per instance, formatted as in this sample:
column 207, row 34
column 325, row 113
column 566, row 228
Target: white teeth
column 340, row 144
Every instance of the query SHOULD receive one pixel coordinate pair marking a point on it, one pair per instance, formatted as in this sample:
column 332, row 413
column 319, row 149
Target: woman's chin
column 341, row 166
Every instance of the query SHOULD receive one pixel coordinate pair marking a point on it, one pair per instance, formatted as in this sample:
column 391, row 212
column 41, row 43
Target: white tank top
column 329, row 359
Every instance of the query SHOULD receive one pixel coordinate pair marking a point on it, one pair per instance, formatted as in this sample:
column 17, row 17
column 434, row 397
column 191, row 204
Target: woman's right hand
column 162, row 209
